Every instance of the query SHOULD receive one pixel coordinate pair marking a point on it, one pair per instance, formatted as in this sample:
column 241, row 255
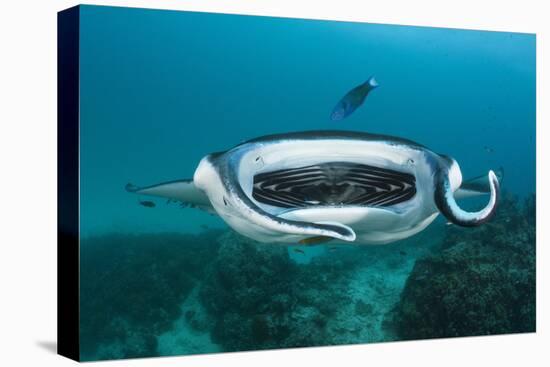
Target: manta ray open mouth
column 330, row 198
column 333, row 183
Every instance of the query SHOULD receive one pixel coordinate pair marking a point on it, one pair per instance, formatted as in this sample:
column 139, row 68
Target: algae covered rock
column 246, row 285
column 481, row 281
column 132, row 287
column 262, row 299
column 245, row 275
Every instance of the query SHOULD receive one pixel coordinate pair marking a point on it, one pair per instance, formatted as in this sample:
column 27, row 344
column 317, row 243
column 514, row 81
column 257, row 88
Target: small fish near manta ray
column 336, row 185
column 147, row 203
column 353, row 99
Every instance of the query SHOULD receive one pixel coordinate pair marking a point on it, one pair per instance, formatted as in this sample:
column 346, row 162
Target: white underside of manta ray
column 315, row 186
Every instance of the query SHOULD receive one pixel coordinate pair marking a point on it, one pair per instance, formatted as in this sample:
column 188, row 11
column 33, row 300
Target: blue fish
column 352, row 100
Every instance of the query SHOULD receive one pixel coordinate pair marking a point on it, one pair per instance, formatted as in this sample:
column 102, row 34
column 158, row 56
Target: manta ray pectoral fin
column 446, row 203
column 181, row 190
column 476, row 186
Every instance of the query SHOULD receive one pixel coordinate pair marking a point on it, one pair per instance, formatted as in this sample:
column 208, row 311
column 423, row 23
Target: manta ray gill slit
column 333, row 183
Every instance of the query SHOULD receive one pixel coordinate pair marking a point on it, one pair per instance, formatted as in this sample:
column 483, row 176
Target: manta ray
column 316, row 186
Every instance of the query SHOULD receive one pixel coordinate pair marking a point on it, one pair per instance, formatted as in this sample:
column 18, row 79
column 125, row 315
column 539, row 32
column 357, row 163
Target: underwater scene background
column 159, row 90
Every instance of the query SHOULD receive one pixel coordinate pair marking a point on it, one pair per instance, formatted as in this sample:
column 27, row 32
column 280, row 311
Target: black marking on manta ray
column 333, row 183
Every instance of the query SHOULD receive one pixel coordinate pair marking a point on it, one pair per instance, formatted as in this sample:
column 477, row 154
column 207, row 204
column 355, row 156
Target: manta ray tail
column 446, row 203
column 181, row 190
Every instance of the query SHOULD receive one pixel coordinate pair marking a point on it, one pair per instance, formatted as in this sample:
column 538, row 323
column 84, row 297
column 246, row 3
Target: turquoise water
column 161, row 89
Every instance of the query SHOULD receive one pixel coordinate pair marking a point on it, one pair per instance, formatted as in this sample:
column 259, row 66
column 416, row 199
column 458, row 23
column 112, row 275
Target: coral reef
column 480, row 281
column 132, row 287
column 262, row 299
column 166, row 294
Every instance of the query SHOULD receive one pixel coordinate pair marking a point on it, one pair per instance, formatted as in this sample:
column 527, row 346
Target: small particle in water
column 147, row 204
column 488, row 149
column 299, row 251
column 402, row 253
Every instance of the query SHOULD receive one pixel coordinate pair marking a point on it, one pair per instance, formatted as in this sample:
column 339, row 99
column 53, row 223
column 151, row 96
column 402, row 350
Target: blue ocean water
column 161, row 89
